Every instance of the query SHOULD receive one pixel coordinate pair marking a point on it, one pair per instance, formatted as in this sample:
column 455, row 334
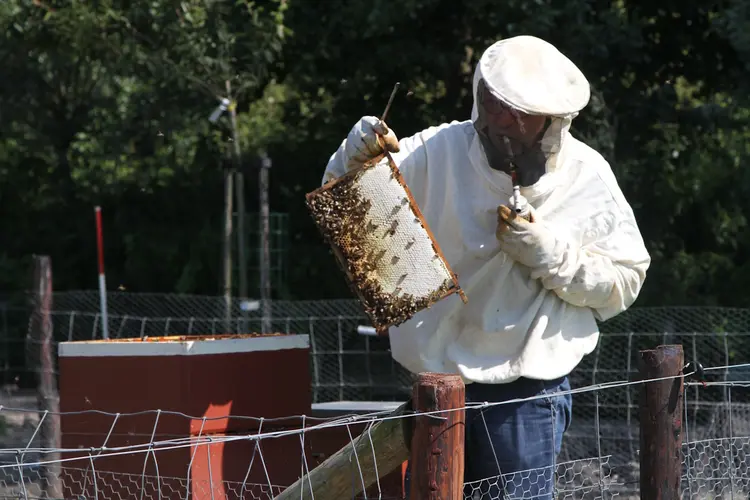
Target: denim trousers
column 511, row 449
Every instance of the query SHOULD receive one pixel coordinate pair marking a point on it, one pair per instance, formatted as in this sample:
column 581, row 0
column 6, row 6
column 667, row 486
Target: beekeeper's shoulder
column 448, row 135
column 596, row 169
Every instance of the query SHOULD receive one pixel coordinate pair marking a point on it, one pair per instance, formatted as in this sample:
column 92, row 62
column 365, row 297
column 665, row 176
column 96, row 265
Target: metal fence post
column 661, row 413
column 437, row 447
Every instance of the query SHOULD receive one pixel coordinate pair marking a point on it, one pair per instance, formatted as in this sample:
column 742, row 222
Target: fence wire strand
column 346, row 366
column 713, row 465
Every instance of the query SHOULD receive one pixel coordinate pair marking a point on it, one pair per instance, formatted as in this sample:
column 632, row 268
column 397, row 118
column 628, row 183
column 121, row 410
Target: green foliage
column 107, row 103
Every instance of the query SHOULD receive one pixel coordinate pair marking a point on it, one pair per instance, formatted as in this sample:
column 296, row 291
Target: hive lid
column 183, row 345
column 383, row 243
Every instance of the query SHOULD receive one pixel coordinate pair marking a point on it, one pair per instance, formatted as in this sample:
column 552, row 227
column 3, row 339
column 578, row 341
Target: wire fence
column 79, row 483
column 347, row 366
column 114, row 460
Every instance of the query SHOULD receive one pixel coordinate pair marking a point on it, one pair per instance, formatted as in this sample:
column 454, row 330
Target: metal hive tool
column 383, row 243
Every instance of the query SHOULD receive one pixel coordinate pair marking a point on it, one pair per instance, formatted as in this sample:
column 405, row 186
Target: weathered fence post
column 661, row 412
column 40, row 333
column 437, row 447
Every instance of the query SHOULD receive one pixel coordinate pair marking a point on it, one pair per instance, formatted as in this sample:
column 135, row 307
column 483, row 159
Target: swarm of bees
column 391, row 310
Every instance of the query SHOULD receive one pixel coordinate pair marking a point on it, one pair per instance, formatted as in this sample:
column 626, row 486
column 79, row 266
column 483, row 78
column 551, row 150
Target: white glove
column 529, row 243
column 367, row 140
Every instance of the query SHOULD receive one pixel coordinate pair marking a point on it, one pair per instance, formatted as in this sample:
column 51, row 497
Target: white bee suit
column 539, row 320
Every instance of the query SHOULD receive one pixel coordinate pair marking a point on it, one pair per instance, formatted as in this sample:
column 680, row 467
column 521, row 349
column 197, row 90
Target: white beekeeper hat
column 534, row 77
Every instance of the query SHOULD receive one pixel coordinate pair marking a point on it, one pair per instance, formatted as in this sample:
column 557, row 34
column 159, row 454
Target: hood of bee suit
column 532, row 76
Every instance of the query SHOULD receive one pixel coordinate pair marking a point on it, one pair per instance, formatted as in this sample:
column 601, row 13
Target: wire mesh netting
column 712, row 466
column 347, row 366
column 278, row 249
column 81, row 483
column 111, row 463
column 716, row 468
column 578, row 479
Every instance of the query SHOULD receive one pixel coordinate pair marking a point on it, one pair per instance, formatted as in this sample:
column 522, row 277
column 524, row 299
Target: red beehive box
column 171, row 388
column 211, row 376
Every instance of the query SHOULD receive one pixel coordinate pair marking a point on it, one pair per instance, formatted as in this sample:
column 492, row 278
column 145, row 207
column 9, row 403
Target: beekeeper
column 535, row 288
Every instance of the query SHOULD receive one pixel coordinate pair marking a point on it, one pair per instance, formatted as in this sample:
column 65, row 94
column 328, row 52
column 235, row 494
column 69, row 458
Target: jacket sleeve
column 605, row 275
column 411, row 160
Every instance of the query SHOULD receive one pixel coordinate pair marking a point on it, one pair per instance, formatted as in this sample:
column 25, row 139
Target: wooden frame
column 397, row 314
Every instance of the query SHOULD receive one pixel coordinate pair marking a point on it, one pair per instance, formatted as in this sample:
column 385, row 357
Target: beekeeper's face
column 498, row 120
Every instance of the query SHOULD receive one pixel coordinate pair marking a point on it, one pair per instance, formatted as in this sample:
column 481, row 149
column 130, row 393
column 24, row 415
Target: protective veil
column 527, row 76
column 535, row 291
column 502, row 134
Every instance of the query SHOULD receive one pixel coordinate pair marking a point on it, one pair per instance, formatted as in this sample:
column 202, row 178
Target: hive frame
column 403, row 306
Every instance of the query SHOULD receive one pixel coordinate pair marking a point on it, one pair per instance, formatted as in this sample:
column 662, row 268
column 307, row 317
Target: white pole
column 102, row 280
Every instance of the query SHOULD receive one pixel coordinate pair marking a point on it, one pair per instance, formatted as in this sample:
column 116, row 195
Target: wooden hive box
column 382, row 242
column 205, row 386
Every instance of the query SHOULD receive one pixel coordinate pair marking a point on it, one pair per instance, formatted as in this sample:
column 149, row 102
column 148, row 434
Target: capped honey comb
column 382, row 242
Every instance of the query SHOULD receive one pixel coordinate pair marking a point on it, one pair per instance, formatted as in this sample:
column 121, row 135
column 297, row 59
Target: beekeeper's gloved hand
column 529, row 243
column 367, row 141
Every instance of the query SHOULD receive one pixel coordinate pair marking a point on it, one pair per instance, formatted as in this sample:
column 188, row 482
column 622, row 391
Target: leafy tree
column 107, row 103
column 113, row 110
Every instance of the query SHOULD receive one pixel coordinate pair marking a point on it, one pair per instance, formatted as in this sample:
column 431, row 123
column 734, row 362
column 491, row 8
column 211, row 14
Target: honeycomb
column 382, row 242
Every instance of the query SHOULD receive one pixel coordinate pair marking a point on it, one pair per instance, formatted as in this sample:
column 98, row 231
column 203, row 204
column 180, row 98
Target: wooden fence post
column 437, row 447
column 661, row 412
column 43, row 345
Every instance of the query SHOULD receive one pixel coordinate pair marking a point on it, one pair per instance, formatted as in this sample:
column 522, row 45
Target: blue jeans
column 511, row 449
